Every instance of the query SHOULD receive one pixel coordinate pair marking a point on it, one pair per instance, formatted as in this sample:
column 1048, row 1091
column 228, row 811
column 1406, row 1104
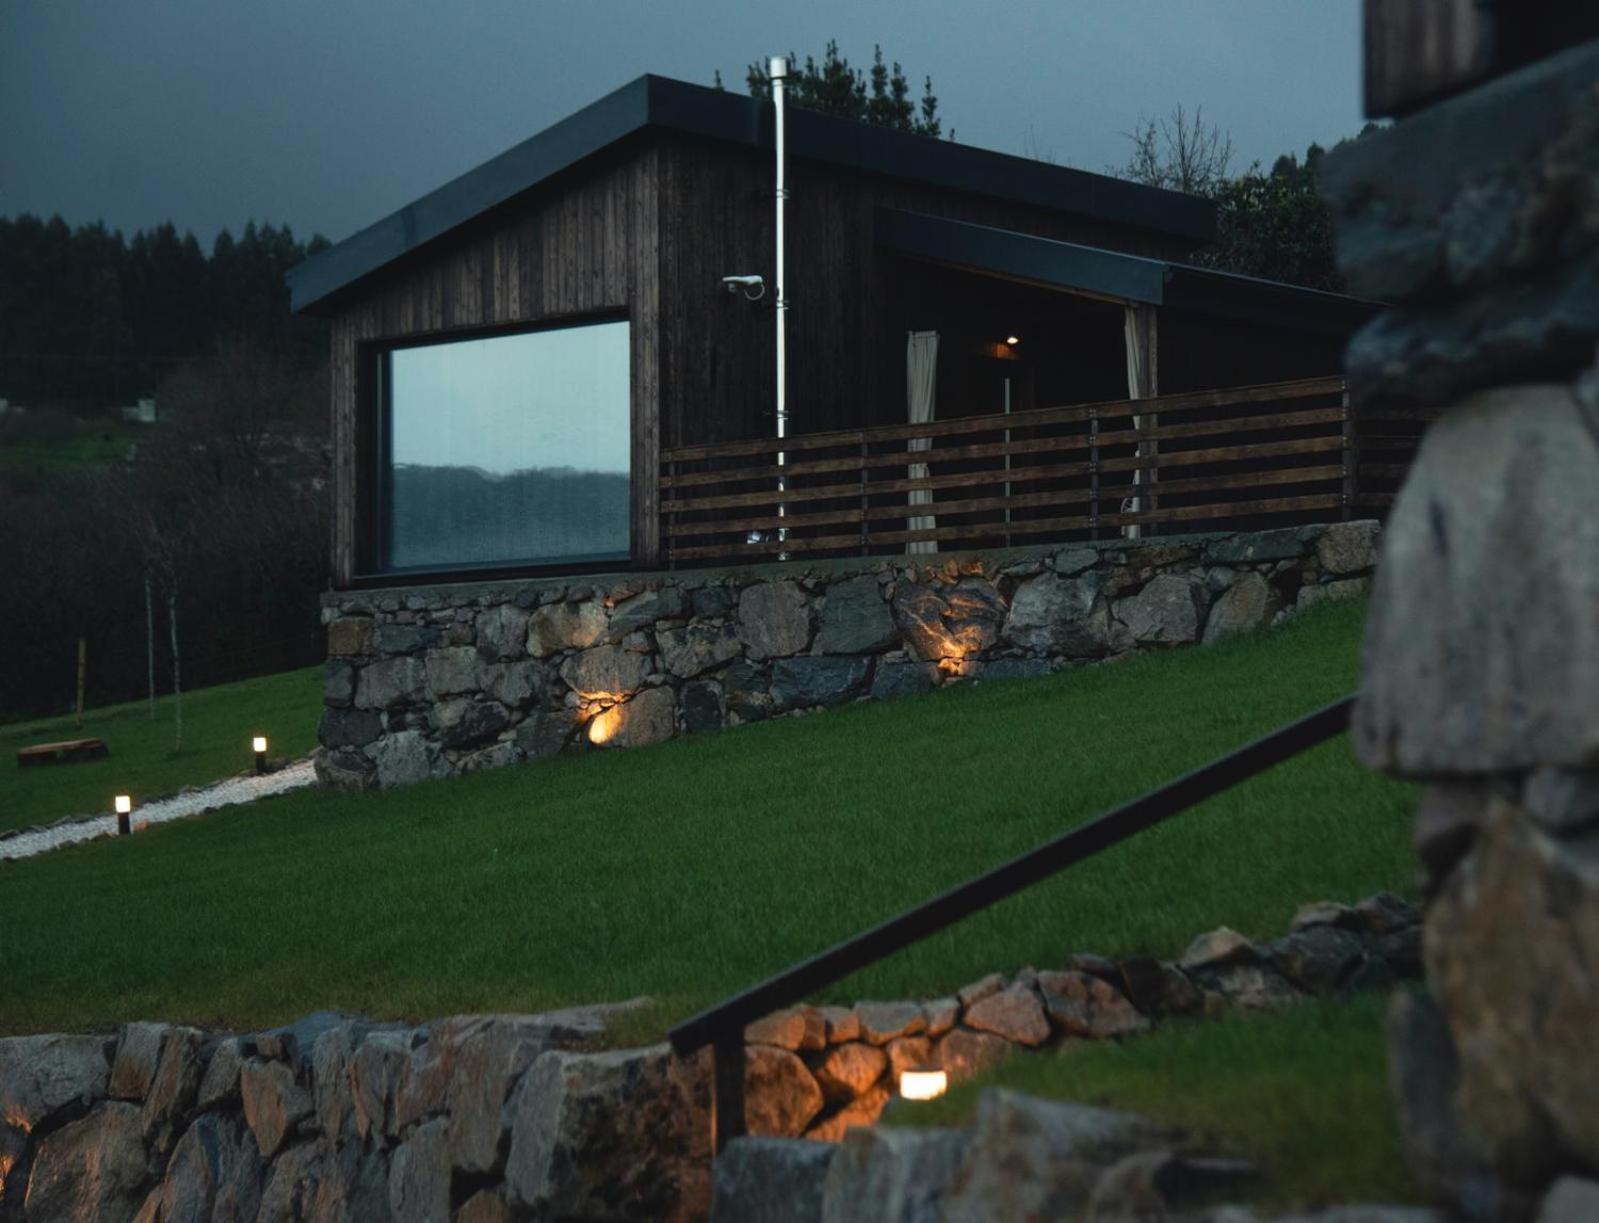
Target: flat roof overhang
column 1095, row 272
column 653, row 103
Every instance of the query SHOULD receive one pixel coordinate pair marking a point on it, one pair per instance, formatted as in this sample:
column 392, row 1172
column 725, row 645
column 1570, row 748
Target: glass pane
column 511, row 449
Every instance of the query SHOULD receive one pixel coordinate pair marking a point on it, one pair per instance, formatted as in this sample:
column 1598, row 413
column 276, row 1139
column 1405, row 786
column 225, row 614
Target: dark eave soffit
column 653, row 102
column 1114, row 274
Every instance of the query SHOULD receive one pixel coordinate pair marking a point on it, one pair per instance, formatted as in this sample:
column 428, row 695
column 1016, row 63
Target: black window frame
column 376, row 498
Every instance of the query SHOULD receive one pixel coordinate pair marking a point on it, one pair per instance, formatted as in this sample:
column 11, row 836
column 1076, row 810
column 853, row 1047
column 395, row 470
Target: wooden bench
column 68, row 751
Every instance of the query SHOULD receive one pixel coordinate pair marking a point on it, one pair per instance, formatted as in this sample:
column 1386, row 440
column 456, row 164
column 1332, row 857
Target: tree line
column 90, row 319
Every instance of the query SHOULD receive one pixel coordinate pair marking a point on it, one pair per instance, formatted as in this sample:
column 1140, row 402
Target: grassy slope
column 92, row 444
column 217, row 726
column 689, row 870
column 1303, row 1093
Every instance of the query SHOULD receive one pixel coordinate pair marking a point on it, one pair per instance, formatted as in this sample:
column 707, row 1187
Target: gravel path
column 190, row 802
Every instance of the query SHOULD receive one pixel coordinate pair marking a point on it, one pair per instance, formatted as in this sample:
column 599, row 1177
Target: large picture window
column 508, row 450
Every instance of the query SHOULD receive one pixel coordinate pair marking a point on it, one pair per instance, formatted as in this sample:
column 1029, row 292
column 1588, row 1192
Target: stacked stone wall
column 440, row 680
column 1479, row 218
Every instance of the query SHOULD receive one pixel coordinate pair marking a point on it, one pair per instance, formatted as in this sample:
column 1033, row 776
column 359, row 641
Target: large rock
column 502, row 632
column 799, row 683
column 516, row 684
column 468, row 723
column 1282, row 544
column 406, row 638
column 488, row 1056
column 965, row 1054
column 349, row 727
column 138, row 1055
column 42, row 1075
column 881, row 1022
column 1423, row 1074
column 419, row 1176
column 174, row 1089
column 606, row 672
column 770, row 1180
column 545, row 733
column 686, row 652
column 896, row 679
column 273, row 1102
column 855, row 619
column 619, row 1135
column 90, row 1170
column 1014, row 1014
column 390, row 682
column 849, row 1069
column 375, row 1072
column 1318, row 959
column 1080, row 1004
column 404, row 758
column 565, row 626
column 1167, row 611
column 1060, row 616
column 643, row 610
column 780, row 1096
column 350, row 635
column 1347, row 548
column 1512, row 953
column 1247, row 604
column 1482, row 644
column 1039, row 1159
column 953, row 622
column 215, row 1173
column 346, row 770
column 650, row 717
column 887, row 1175
column 453, row 671
column 774, row 619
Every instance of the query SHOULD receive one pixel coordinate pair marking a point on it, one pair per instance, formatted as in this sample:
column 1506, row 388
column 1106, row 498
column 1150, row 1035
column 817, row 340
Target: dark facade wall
column 1200, row 352
column 586, row 245
column 845, row 328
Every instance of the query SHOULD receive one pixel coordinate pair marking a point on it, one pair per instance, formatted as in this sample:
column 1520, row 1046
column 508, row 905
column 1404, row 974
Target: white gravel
column 190, row 802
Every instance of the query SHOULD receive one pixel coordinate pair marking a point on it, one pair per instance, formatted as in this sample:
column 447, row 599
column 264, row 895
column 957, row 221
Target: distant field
column 217, row 726
column 93, row 443
column 691, row 869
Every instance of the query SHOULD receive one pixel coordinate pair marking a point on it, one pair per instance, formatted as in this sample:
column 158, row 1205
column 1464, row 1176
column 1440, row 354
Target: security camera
column 754, row 287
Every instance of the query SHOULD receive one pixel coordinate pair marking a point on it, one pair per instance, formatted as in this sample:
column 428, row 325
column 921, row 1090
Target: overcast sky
column 328, row 114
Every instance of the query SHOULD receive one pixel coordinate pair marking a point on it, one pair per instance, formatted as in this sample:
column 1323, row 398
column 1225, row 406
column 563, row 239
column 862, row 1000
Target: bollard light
column 259, row 745
column 923, row 1084
column 123, row 804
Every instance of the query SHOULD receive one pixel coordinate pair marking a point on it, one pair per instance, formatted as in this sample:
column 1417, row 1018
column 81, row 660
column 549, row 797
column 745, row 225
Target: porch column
column 1140, row 333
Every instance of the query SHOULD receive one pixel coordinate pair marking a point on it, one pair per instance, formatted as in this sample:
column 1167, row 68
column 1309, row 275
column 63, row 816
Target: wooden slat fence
column 1238, row 457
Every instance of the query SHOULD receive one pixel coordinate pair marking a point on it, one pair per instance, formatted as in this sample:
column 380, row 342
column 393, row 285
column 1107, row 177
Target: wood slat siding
column 587, row 246
column 1283, row 452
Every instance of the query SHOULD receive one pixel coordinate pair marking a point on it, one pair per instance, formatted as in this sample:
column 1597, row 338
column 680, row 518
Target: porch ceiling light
column 1013, row 339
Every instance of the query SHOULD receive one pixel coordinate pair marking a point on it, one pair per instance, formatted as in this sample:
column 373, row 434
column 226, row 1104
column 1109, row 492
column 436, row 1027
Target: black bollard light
column 124, row 809
column 259, row 746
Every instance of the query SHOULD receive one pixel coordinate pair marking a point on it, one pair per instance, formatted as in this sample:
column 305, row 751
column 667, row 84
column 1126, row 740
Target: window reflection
column 509, row 450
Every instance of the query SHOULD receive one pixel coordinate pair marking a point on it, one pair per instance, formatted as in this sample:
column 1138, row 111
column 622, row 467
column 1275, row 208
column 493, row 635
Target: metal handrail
column 722, row 1026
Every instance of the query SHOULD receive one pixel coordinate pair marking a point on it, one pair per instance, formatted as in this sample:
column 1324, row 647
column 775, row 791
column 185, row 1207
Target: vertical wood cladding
column 587, row 245
column 845, row 332
column 650, row 229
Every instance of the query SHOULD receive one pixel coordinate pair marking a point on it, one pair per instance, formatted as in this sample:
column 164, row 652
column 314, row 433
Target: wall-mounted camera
column 753, row 287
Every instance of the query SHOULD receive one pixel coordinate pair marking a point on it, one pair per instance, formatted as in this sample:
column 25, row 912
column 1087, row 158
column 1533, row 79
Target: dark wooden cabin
column 538, row 366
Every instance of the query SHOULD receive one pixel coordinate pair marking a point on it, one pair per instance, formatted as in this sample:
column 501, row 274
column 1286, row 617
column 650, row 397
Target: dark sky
column 328, row 114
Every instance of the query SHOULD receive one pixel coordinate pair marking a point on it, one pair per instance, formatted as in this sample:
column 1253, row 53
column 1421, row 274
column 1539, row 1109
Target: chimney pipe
column 777, row 71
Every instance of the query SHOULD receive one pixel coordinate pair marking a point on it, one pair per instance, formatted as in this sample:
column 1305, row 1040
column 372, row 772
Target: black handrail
column 722, row 1026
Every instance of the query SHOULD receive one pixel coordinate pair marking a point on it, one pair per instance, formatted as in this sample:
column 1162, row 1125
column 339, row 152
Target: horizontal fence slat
column 1108, row 494
column 1032, row 417
column 1017, row 475
column 1035, row 526
column 1040, row 445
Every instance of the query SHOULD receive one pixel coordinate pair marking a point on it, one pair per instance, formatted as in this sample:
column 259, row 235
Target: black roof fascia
column 1042, row 260
column 660, row 103
column 1090, row 269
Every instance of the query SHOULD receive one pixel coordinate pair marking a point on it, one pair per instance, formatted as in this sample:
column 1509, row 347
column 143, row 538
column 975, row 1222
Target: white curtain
column 921, row 386
column 1138, row 328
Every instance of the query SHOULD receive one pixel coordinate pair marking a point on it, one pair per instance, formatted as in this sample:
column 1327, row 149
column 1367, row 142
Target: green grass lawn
column 92, row 443
column 1303, row 1093
column 689, row 870
column 217, row 726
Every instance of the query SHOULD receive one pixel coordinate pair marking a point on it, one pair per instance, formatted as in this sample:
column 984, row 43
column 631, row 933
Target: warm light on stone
column 605, row 724
column 923, row 1084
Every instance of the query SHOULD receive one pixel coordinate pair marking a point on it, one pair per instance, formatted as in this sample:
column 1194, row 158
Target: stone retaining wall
column 440, row 680
column 1477, row 218
column 496, row 1117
